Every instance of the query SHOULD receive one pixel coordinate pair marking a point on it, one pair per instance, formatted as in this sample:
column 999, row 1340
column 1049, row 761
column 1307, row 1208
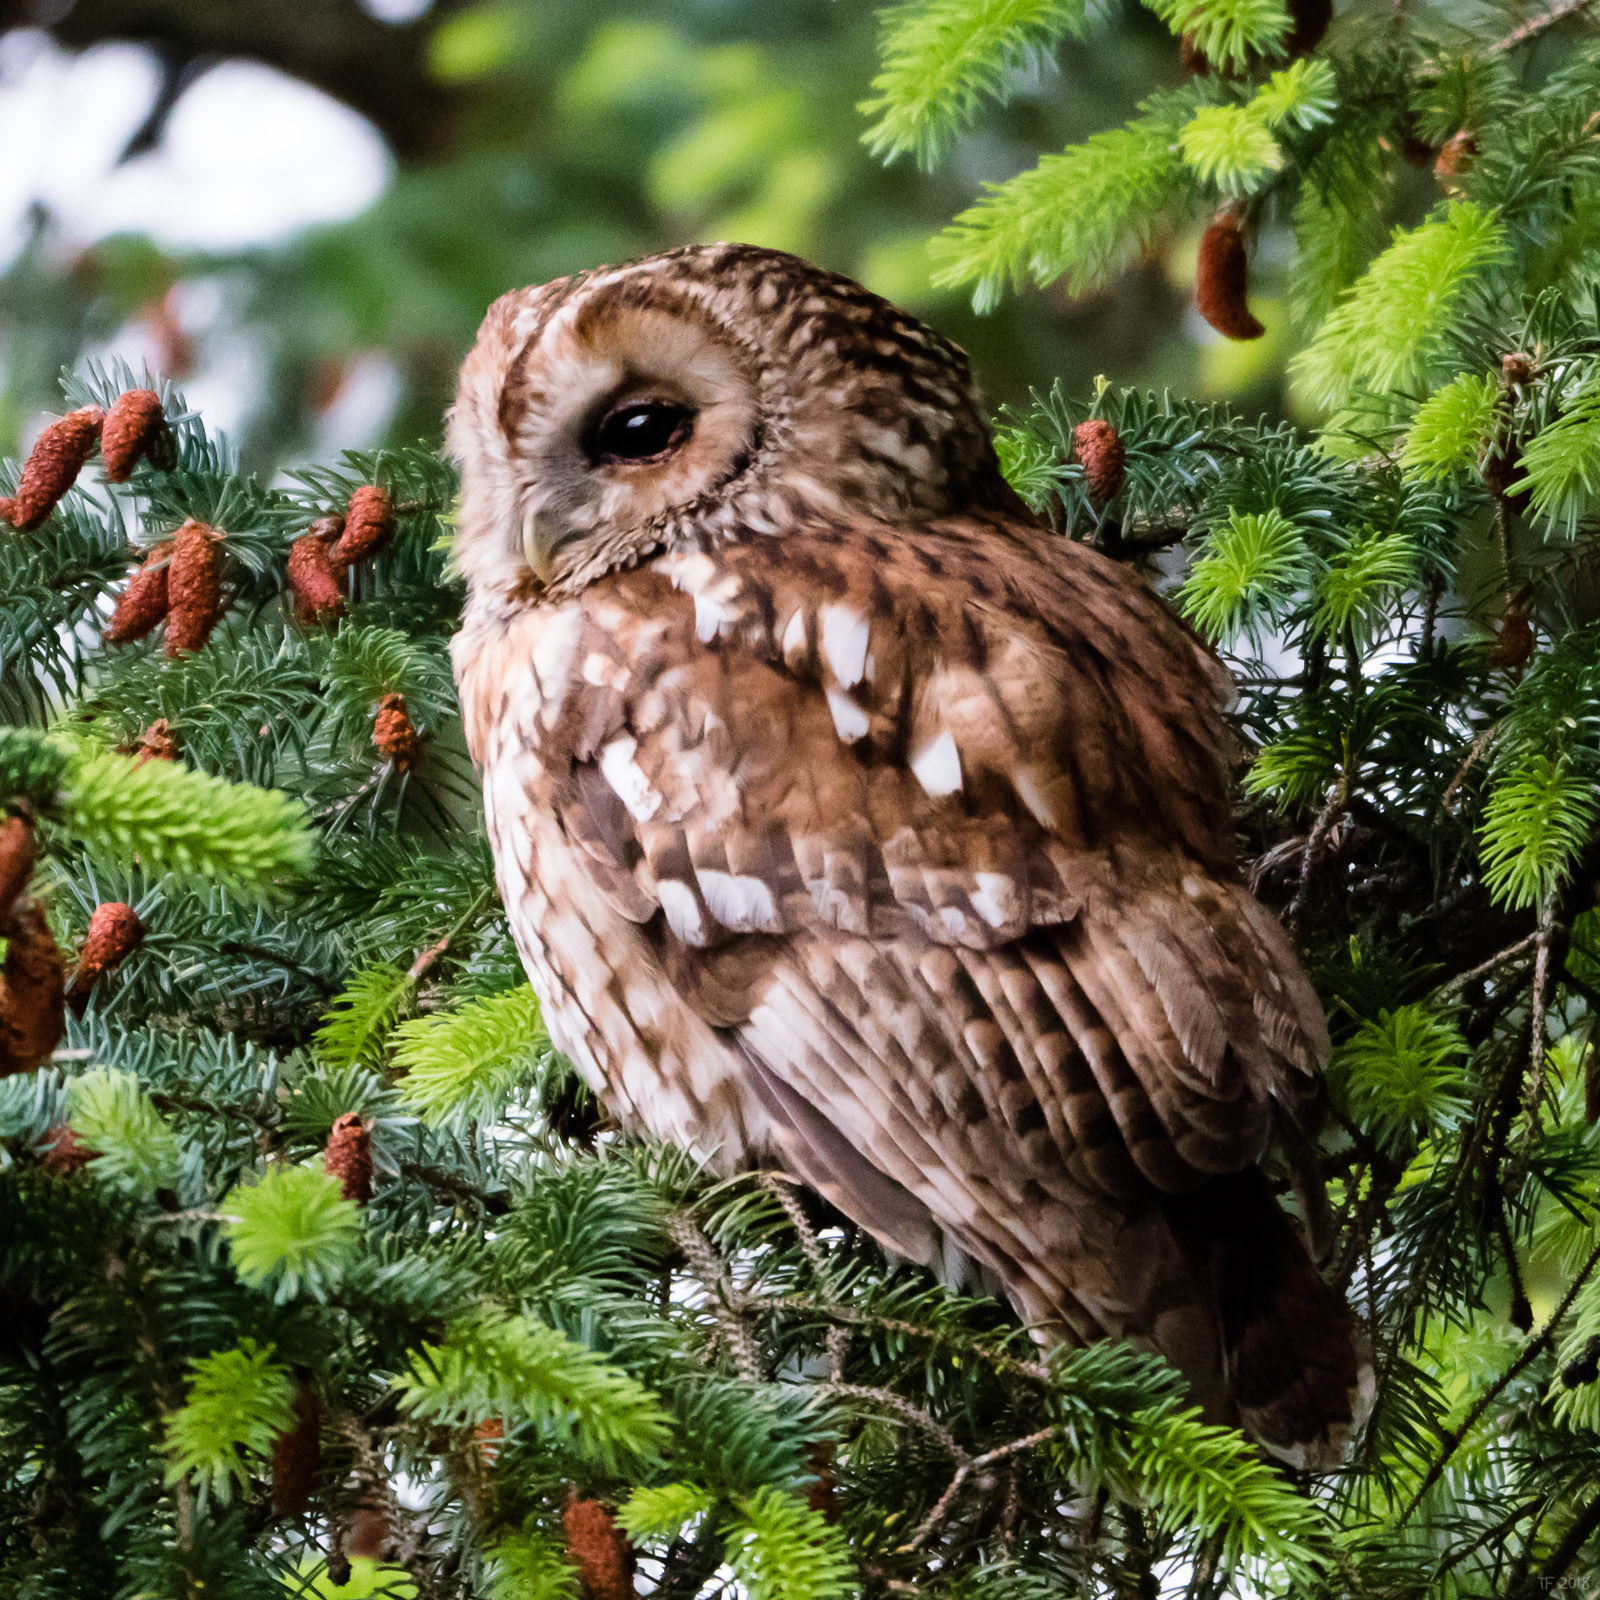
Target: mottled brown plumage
column 852, row 823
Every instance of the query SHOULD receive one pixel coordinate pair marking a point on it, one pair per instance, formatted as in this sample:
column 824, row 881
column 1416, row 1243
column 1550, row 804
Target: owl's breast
column 606, row 1000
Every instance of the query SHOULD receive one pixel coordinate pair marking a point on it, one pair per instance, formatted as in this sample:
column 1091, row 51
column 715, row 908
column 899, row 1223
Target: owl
column 853, row 824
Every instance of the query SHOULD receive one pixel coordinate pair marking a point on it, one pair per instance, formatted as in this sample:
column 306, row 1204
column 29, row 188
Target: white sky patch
column 248, row 157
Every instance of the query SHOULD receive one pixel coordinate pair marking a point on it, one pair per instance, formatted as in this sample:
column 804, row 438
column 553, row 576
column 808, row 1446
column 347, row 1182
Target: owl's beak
column 541, row 538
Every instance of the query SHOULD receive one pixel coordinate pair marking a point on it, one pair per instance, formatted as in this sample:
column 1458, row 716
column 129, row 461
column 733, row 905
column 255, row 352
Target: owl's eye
column 641, row 429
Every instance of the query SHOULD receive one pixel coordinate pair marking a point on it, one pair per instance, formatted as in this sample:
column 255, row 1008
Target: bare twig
column 945, row 1501
column 1534, row 26
column 725, row 1298
column 905, row 1410
column 1449, row 990
column 1316, row 840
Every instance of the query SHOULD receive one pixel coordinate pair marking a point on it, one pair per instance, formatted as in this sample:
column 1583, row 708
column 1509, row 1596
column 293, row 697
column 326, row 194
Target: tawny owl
column 853, row 824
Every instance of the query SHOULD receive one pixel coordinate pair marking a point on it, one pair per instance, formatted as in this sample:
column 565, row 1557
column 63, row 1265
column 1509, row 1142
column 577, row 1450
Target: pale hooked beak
column 540, row 541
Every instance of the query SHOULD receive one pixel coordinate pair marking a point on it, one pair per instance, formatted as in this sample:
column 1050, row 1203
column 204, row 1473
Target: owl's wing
column 935, row 821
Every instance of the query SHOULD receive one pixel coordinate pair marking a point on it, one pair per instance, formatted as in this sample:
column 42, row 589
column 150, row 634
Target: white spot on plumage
column 743, row 904
column 845, row 636
column 793, row 642
column 937, row 766
column 625, row 775
column 682, row 911
column 1026, row 783
column 996, row 899
column 849, row 719
column 553, row 651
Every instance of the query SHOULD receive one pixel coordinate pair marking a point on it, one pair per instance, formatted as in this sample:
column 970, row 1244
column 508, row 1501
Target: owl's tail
column 1293, row 1373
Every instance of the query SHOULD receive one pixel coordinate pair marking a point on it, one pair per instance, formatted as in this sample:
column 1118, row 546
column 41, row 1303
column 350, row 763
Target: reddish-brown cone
column 66, row 1155
column 115, row 932
column 52, row 466
column 16, row 862
column 368, row 1534
column 297, row 1454
column 820, row 1496
column 1223, row 282
column 316, row 590
column 33, row 1009
column 135, row 426
column 194, row 588
column 1104, row 460
column 1513, row 645
column 604, row 1558
column 157, row 743
column 1456, row 156
column 1192, row 58
column 1516, row 368
column 348, row 1157
column 393, row 734
column 143, row 601
column 368, row 525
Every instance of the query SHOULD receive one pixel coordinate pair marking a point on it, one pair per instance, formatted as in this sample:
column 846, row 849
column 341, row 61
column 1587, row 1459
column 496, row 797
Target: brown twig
column 905, row 1410
column 1534, row 26
column 973, row 1464
column 1484, row 968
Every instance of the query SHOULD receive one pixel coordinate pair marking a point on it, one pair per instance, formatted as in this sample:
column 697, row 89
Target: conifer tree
column 321, row 1274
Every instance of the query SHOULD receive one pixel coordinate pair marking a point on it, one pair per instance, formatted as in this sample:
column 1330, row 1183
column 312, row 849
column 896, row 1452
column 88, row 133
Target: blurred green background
column 526, row 139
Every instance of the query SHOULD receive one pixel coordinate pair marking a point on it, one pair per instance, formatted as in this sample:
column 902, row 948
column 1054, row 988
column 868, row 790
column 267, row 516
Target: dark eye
column 640, row 430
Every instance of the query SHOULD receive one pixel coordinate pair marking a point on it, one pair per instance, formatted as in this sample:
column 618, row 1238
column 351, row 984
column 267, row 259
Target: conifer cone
column 604, row 1558
column 115, row 932
column 67, row 1154
column 393, row 734
column 52, row 467
column 297, row 1454
column 32, row 992
column 368, row 525
column 136, row 425
column 316, row 589
column 368, row 1534
column 143, row 601
column 194, row 588
column 1104, row 459
column 1513, row 645
column 157, row 743
column 1456, row 157
column 1516, row 368
column 16, row 862
column 348, row 1157
column 1224, row 280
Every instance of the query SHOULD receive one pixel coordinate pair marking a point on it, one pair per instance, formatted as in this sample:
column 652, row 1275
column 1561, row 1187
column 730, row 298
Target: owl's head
column 708, row 392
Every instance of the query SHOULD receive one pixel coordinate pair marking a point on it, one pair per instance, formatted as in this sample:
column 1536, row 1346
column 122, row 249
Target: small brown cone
column 1513, row 645
column 157, row 743
column 135, row 426
column 67, row 1154
column 604, row 1558
column 194, row 588
column 115, row 932
column 1104, row 460
column 392, row 732
column 368, row 1534
column 32, row 992
column 1456, row 157
column 143, row 601
column 1516, row 368
column 1223, row 282
column 820, row 1497
column 368, row 525
column 53, row 466
column 297, row 1454
column 311, row 576
column 348, row 1157
column 17, row 854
